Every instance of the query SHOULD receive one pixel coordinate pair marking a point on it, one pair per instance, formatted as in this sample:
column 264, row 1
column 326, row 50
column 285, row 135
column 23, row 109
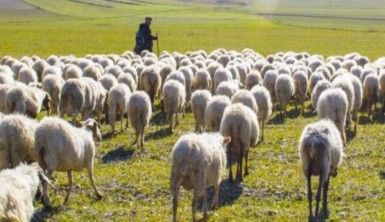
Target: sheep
column 73, row 71
column 221, row 75
column 6, row 78
column 98, row 96
column 346, row 85
column 371, row 90
column 333, row 104
column 188, row 76
column 108, row 81
column 39, row 66
column 318, row 89
column 132, row 71
column 3, row 97
column 27, row 75
column 314, row 78
column 241, row 124
column 50, row 70
column 118, row 98
column 93, row 71
column 228, row 88
column 265, row 106
column 252, row 79
column 139, row 113
column 114, row 70
column 284, row 91
column 198, row 162
column 269, row 82
column 65, row 148
column 300, row 85
column 19, row 187
column 150, row 81
column 199, row 101
column 321, row 152
column 358, row 94
column 246, row 98
column 17, row 140
column 174, row 97
column 53, row 84
column 128, row 80
column 27, row 100
column 214, row 112
column 381, row 80
column 164, row 71
column 178, row 76
column 202, row 80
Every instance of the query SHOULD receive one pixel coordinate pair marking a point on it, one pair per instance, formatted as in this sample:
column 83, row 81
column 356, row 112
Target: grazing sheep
column 202, row 80
column 17, row 140
column 221, row 75
column 108, row 81
column 174, row 97
column 228, row 88
column 93, row 71
column 199, row 101
column 358, row 94
column 321, row 152
column 300, row 85
column 39, row 66
column 19, row 187
column 214, row 112
column 73, row 71
column 333, row 104
column 269, row 82
column 371, row 90
column 139, row 112
column 114, row 70
column 252, row 79
column 150, row 81
column 164, row 71
column 178, row 76
column 65, row 148
column 189, row 77
column 314, row 78
column 246, row 98
column 27, row 75
column 53, row 84
column 51, row 70
column 198, row 162
column 284, row 91
column 241, row 124
column 265, row 106
column 118, row 98
column 318, row 89
column 346, row 85
column 128, row 80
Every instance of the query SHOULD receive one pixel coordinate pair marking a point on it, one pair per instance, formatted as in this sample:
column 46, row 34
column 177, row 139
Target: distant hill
column 14, row 5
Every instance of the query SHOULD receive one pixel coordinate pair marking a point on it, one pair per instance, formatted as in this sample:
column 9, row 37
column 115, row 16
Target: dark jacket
column 148, row 38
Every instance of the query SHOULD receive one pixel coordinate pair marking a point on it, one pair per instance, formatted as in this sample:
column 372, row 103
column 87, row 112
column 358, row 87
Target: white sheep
column 253, row 78
column 314, row 78
column 93, row 71
column 108, row 81
column 284, row 91
column 381, row 80
column 221, row 75
column 139, row 112
column 371, row 88
column 118, row 98
column 214, row 112
column 128, row 80
column 202, row 80
column 73, row 71
column 241, row 124
column 228, row 88
column 269, row 82
column 318, row 89
column 265, row 106
column 300, row 85
column 246, row 98
column 333, row 104
column 346, row 85
column 53, row 84
column 198, row 162
column 199, row 101
column 27, row 75
column 150, row 81
column 321, row 153
column 65, row 148
column 174, row 97
column 358, row 94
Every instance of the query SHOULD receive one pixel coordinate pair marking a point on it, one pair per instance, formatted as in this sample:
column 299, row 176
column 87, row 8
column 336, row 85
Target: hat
column 148, row 18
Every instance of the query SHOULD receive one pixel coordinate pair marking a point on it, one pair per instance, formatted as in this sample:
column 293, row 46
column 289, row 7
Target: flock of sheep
column 231, row 94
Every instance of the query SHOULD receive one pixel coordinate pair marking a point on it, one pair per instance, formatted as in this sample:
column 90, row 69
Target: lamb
column 65, row 148
column 139, row 112
column 284, row 91
column 27, row 75
column 128, row 80
column 214, row 112
column 17, row 140
column 199, row 101
column 241, row 124
column 318, row 89
column 150, row 81
column 198, row 162
column 27, row 100
column 321, row 153
column 269, row 82
column 73, row 71
column 19, row 187
column 108, row 81
column 228, row 88
column 118, row 98
column 202, row 80
column 357, row 86
column 333, row 104
column 265, row 106
column 174, row 97
column 246, row 98
column 346, row 85
column 300, row 83
column 252, row 79
column 53, row 84
column 221, row 75
column 371, row 90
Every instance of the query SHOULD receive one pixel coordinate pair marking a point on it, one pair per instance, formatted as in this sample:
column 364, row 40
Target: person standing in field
column 144, row 38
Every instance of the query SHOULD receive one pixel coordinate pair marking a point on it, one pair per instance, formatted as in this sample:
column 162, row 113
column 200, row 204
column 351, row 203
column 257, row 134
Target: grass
column 136, row 187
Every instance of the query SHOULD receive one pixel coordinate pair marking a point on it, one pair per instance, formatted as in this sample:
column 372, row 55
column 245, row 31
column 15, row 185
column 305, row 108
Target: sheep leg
column 309, row 194
column 142, row 138
column 230, row 173
column 171, row 121
column 239, row 177
column 204, row 205
column 121, row 121
column 325, row 210
column 175, row 202
column 246, row 163
column 197, row 126
column 92, row 180
column 262, row 130
column 177, row 119
column 216, row 194
column 194, row 205
column 318, row 197
column 69, row 175
column 46, row 199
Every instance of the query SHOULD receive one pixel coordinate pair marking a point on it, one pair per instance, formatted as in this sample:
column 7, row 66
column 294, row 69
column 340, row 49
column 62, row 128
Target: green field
column 136, row 186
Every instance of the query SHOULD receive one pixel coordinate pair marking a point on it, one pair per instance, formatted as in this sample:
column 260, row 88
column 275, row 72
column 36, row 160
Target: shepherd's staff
column 157, row 44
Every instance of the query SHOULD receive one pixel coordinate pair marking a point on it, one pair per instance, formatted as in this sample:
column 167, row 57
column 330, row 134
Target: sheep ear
column 227, row 140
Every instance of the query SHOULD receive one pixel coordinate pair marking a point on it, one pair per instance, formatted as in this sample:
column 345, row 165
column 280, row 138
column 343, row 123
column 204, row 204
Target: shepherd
column 144, row 38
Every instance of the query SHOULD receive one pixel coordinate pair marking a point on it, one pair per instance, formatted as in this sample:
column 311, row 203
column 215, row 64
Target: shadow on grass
column 44, row 214
column 119, row 154
column 382, row 175
column 164, row 132
column 310, row 113
column 278, row 119
column 158, row 119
